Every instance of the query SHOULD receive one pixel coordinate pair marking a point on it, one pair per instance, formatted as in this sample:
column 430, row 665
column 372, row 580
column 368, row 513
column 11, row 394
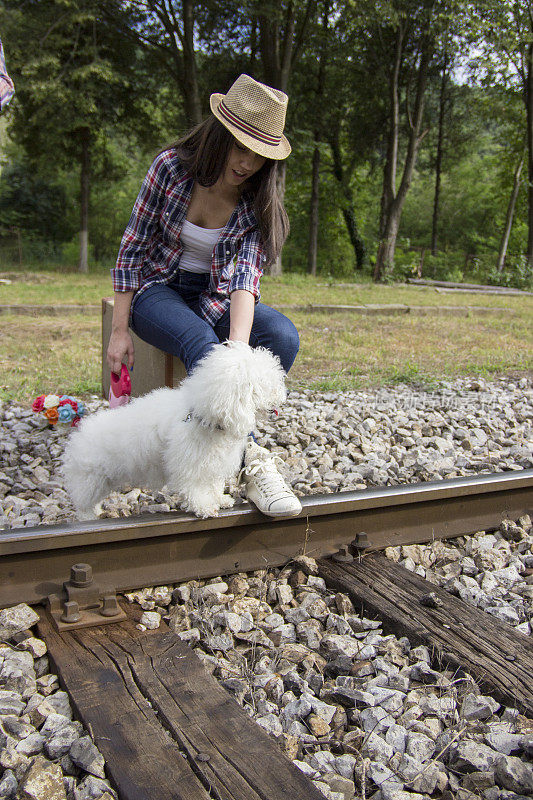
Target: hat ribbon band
column 246, row 127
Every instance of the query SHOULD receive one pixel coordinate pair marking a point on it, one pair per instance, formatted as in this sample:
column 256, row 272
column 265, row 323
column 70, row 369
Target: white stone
column 271, row 724
column 16, row 619
column 419, row 746
column 514, row 774
column 375, row 720
column 478, row 707
column 151, row 620
column 43, row 781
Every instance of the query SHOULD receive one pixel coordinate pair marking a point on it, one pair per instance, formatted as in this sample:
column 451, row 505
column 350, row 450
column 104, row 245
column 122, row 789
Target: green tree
column 28, row 201
column 410, row 43
column 505, row 36
column 74, row 82
column 168, row 31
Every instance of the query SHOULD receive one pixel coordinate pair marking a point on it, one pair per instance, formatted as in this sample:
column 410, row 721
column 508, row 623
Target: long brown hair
column 204, row 152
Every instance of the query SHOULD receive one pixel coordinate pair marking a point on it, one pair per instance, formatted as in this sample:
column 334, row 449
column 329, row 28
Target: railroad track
column 157, row 677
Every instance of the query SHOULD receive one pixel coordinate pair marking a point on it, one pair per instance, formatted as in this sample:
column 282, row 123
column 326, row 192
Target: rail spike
column 347, row 552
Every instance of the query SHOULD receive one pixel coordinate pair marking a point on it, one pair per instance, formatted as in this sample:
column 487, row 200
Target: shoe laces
column 263, row 469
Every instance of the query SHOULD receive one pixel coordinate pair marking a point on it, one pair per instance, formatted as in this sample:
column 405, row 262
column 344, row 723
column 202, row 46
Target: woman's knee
column 184, row 335
column 282, row 338
column 290, row 337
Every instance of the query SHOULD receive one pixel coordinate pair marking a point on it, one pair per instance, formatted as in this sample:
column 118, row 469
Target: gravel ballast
column 360, row 712
column 44, row 753
column 329, row 442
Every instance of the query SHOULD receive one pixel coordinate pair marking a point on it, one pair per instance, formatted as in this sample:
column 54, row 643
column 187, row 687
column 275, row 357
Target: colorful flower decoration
column 59, row 408
column 51, row 401
column 66, row 413
column 51, row 415
column 38, row 403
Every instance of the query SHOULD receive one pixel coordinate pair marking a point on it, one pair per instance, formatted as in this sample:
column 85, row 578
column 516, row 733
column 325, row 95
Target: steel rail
column 168, row 548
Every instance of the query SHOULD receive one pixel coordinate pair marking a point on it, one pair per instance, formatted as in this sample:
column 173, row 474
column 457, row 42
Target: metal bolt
column 203, row 757
column 110, row 607
column 361, row 540
column 81, row 575
column 343, row 555
column 71, row 612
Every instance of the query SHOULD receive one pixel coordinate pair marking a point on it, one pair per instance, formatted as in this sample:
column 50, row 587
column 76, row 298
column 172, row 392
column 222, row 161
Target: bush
column 517, row 273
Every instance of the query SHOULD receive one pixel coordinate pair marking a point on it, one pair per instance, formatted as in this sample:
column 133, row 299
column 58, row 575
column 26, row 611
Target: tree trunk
column 83, row 264
column 529, row 117
column 347, row 201
column 193, row 106
column 387, row 245
column 175, row 43
column 315, row 176
column 509, row 217
column 355, row 239
column 391, row 163
column 392, row 208
column 313, row 214
column 19, row 245
column 440, row 148
column 269, row 36
column 276, row 267
column 253, row 46
column 278, row 54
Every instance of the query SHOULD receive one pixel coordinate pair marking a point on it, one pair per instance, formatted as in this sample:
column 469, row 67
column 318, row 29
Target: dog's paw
column 227, row 501
column 204, row 513
column 201, row 510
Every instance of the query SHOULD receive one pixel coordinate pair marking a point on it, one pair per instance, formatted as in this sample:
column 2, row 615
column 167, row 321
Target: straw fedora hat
column 255, row 114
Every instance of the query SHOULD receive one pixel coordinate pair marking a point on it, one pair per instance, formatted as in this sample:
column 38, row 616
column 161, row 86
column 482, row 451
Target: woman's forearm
column 121, row 310
column 241, row 315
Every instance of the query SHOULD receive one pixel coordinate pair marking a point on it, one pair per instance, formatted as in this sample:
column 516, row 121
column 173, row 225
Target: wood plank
column 230, row 754
column 142, row 761
column 498, row 657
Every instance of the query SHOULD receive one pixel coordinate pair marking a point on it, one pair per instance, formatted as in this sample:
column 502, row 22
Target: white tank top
column 198, row 246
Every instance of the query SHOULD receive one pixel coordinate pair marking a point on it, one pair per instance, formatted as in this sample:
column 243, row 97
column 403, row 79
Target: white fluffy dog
column 190, row 439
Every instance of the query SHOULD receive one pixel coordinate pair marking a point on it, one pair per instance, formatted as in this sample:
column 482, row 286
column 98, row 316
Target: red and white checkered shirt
column 151, row 249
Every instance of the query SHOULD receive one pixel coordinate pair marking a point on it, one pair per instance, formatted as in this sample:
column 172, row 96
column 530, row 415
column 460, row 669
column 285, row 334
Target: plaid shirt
column 151, row 249
column 7, row 90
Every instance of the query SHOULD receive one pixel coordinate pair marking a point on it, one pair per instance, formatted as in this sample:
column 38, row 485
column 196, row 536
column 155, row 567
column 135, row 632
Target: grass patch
column 344, row 351
column 44, row 355
column 44, row 288
column 339, row 351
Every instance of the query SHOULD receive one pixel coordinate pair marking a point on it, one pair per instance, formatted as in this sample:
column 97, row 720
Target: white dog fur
column 190, row 439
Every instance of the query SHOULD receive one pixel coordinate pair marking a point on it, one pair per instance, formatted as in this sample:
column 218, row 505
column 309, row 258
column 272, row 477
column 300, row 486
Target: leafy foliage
column 119, row 73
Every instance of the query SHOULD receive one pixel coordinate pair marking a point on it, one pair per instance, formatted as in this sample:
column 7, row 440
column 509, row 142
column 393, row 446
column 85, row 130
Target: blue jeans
column 168, row 317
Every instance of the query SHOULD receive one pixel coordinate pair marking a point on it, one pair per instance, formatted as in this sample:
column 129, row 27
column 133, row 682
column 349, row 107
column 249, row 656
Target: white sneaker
column 265, row 487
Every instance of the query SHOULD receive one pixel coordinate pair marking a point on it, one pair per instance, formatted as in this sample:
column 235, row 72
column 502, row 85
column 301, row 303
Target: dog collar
column 202, row 422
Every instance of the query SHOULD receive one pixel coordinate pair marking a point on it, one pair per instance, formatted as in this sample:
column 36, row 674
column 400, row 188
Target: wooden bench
column 153, row 368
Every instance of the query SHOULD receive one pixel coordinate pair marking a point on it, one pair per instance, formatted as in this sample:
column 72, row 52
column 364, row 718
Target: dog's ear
column 269, row 385
column 222, row 391
column 235, row 407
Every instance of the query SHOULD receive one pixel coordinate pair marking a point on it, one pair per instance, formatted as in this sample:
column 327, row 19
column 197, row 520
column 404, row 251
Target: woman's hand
column 120, row 351
column 120, row 348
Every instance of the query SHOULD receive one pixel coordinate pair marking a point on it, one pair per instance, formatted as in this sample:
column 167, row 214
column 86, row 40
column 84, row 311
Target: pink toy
column 120, row 388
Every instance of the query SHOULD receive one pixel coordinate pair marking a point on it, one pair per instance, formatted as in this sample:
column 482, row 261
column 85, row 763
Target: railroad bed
column 367, row 690
column 315, row 658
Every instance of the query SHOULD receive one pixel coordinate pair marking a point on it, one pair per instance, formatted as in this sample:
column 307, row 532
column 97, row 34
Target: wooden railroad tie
column 166, row 728
column 459, row 634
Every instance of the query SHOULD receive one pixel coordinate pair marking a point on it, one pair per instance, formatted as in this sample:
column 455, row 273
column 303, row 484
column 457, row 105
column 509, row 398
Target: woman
column 206, row 222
